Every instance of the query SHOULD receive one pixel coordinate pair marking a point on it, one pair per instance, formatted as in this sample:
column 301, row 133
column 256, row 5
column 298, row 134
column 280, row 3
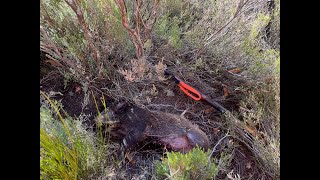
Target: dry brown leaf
column 130, row 158
column 251, row 130
column 226, row 92
column 235, row 70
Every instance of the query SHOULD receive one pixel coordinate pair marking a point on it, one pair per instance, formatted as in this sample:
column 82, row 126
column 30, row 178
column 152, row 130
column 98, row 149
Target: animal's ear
column 120, row 107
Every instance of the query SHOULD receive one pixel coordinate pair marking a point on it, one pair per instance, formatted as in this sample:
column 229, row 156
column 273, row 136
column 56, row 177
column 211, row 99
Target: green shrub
column 176, row 17
column 168, row 28
column 263, row 59
column 192, row 165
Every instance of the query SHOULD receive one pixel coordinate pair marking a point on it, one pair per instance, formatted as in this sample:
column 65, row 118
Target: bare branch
column 214, row 148
column 134, row 33
column 75, row 6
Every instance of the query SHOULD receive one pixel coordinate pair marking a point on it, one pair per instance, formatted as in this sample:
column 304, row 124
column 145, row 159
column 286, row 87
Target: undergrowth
column 68, row 150
column 97, row 45
column 195, row 164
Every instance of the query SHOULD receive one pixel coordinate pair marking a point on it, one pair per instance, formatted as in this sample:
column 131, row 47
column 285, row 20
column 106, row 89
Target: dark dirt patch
column 70, row 94
column 72, row 97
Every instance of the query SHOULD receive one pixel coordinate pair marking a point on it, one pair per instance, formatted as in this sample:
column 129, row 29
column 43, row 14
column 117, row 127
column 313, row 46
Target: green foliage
column 57, row 159
column 162, row 26
column 60, row 22
column 192, row 165
column 261, row 21
column 168, row 29
column 68, row 150
column 265, row 60
column 174, row 34
column 176, row 18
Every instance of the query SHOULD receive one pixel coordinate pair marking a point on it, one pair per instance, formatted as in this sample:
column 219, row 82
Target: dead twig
column 214, row 148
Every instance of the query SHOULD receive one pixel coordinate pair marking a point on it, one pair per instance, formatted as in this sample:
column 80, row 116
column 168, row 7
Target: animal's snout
column 195, row 138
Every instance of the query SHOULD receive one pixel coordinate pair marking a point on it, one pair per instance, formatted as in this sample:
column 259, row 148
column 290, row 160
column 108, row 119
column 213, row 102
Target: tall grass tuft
column 68, row 150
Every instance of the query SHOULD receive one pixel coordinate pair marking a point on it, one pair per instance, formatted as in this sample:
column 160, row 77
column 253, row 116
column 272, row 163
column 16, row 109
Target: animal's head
column 117, row 109
column 114, row 109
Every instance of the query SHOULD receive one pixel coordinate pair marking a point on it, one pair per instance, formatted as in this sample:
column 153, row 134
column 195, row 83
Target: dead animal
column 134, row 124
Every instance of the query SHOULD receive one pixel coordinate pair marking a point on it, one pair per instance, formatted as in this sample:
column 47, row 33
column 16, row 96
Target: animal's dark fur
column 135, row 124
